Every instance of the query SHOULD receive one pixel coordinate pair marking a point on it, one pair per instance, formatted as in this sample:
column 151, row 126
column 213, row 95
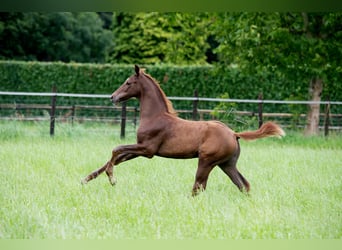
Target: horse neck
column 152, row 102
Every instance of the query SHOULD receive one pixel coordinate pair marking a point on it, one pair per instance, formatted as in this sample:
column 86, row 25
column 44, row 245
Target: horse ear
column 137, row 70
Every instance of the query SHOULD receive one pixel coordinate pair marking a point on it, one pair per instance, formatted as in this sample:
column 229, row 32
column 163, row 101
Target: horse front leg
column 108, row 167
column 94, row 174
column 120, row 158
column 119, row 154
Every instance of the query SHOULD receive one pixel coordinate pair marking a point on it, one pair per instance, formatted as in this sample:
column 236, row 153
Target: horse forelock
column 168, row 103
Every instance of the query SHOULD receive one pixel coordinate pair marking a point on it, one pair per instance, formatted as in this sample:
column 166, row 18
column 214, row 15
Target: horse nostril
column 113, row 99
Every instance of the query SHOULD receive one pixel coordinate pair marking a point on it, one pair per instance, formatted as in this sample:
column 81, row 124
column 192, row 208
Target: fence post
column 123, row 120
column 194, row 106
column 73, row 113
column 260, row 97
column 327, row 118
column 53, row 111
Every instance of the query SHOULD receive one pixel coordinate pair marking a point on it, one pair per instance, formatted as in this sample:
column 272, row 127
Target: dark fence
column 72, row 108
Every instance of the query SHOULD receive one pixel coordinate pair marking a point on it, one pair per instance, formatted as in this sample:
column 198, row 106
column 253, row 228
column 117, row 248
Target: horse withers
column 161, row 132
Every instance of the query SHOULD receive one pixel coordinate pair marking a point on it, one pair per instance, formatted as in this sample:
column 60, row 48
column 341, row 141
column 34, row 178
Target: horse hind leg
column 236, row 177
column 245, row 182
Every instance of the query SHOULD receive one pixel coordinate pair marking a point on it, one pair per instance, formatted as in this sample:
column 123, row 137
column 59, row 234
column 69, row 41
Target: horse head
column 130, row 88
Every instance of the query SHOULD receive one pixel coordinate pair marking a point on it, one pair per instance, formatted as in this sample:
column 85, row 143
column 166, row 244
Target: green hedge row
column 175, row 80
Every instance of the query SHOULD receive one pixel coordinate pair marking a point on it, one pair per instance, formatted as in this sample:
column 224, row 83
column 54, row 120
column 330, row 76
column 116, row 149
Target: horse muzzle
column 114, row 99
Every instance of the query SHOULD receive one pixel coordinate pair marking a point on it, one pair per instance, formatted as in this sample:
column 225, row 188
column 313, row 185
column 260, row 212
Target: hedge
column 175, row 80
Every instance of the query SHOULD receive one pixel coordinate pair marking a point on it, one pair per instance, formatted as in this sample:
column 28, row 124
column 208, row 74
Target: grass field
column 296, row 186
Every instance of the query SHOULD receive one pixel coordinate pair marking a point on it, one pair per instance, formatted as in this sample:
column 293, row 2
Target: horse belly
column 182, row 144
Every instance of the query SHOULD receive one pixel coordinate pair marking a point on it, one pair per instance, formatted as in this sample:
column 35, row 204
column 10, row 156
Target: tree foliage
column 298, row 46
column 267, row 48
column 60, row 36
column 149, row 38
column 306, row 47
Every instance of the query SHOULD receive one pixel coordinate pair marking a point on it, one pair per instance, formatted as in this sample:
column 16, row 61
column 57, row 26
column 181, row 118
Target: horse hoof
column 84, row 181
column 112, row 181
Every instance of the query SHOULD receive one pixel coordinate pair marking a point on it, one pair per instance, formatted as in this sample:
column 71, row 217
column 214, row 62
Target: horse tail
column 266, row 130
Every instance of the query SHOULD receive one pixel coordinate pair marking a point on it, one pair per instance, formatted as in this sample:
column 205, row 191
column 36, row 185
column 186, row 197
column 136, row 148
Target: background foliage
column 274, row 48
column 55, row 36
column 237, row 54
column 295, row 46
column 175, row 80
column 154, row 37
column 104, row 78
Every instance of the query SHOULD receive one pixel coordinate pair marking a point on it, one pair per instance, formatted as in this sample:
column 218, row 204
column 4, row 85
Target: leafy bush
column 210, row 81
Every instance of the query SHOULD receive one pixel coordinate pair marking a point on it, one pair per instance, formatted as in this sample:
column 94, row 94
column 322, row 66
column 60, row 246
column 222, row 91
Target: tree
column 10, row 32
column 91, row 42
column 149, row 38
column 302, row 46
column 107, row 19
column 59, row 36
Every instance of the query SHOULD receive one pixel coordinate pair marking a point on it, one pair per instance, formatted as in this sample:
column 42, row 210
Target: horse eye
column 130, row 83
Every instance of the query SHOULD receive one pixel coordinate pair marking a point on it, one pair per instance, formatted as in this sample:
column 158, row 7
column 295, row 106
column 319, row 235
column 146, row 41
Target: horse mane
column 168, row 103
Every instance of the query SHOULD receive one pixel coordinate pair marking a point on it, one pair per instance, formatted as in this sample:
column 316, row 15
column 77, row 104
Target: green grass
column 296, row 188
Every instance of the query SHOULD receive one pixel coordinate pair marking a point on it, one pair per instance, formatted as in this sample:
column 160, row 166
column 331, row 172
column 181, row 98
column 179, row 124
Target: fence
column 227, row 110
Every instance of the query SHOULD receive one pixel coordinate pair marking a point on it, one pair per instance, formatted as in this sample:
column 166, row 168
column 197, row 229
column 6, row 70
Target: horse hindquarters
column 219, row 146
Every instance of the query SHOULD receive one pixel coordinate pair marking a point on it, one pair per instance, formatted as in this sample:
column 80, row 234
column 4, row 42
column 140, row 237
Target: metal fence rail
column 176, row 98
column 192, row 111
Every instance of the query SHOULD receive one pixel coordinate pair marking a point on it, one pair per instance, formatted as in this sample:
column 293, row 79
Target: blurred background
column 290, row 57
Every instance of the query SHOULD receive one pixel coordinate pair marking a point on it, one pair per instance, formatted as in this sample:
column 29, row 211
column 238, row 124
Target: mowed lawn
column 296, row 189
